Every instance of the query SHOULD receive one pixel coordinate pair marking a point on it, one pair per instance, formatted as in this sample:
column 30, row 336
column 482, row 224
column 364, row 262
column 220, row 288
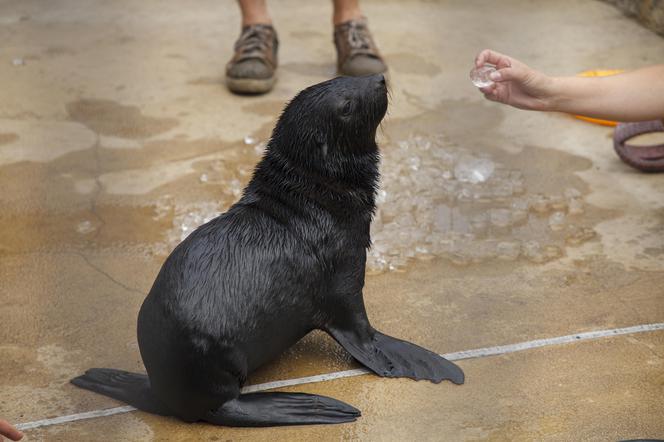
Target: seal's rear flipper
column 271, row 409
column 394, row 358
column 132, row 388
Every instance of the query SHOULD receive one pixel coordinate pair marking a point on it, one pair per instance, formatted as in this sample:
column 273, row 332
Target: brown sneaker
column 357, row 53
column 252, row 68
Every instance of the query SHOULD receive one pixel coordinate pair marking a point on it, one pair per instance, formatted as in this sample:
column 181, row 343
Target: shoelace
column 357, row 36
column 254, row 38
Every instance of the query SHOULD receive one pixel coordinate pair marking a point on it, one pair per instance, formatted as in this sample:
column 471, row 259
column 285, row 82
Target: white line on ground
column 467, row 354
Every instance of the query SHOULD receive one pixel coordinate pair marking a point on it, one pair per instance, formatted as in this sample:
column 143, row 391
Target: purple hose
column 644, row 158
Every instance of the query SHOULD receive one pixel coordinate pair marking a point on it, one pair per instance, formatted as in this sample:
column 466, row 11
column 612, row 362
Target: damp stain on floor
column 106, row 117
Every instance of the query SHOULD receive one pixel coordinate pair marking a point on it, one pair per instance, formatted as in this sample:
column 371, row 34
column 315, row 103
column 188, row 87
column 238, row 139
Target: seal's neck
column 346, row 189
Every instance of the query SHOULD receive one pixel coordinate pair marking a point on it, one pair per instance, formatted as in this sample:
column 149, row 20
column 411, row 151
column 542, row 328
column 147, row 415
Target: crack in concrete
column 87, row 261
column 115, row 281
column 98, row 188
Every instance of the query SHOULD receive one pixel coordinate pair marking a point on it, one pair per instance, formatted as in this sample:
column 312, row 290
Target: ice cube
column 500, row 217
column 571, row 192
column 508, row 250
column 84, row 227
column 557, row 220
column 473, row 170
column 575, row 206
column 259, row 148
column 480, row 76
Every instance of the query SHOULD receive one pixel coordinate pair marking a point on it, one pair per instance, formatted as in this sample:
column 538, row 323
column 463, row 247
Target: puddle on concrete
column 227, row 174
column 41, row 141
column 109, row 226
column 467, row 202
column 6, row 138
column 436, row 199
column 635, row 240
column 114, row 157
column 107, row 117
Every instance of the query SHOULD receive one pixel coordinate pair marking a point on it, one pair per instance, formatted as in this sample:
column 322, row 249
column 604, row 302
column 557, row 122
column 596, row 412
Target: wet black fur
column 286, row 259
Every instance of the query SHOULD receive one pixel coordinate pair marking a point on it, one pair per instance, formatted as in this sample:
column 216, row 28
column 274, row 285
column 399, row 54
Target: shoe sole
column 250, row 85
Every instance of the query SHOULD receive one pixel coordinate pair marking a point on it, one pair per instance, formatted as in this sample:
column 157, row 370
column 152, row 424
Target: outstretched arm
column 633, row 96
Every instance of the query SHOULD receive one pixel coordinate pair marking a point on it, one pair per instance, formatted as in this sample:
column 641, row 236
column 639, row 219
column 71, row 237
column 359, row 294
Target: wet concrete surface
column 117, row 131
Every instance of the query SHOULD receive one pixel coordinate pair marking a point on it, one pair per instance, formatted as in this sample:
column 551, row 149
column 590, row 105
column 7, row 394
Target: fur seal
column 287, row 258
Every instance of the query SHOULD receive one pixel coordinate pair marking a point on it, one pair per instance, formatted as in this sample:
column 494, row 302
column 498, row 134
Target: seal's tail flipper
column 132, row 388
column 394, row 358
column 271, row 409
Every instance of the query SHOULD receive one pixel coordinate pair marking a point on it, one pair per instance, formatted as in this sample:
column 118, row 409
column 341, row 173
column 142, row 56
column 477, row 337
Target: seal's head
column 331, row 123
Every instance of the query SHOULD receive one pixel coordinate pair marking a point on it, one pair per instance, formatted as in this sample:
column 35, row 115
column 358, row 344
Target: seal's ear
column 321, row 143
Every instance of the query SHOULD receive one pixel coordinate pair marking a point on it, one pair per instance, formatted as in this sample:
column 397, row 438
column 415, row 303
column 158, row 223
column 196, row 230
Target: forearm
column 632, row 96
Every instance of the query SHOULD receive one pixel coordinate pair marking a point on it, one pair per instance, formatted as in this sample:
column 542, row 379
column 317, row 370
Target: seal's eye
column 347, row 107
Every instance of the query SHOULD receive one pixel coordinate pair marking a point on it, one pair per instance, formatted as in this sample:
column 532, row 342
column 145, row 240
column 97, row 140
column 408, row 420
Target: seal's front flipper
column 271, row 409
column 132, row 388
column 394, row 358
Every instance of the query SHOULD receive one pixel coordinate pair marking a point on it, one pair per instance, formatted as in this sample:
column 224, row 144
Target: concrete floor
column 120, row 106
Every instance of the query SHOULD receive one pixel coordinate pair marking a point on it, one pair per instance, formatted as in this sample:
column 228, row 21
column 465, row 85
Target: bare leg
column 254, row 12
column 345, row 10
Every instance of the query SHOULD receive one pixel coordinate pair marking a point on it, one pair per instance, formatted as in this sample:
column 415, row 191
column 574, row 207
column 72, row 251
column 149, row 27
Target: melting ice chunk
column 557, row 220
column 473, row 170
column 85, row 227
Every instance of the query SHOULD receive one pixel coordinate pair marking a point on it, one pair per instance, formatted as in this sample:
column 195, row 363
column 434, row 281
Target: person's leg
column 357, row 53
column 252, row 68
column 254, row 12
column 345, row 10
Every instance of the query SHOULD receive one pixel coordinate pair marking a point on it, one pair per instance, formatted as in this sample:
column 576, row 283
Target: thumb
column 508, row 74
column 6, row 429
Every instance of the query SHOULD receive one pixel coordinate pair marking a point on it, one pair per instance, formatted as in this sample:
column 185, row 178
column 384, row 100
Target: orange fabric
column 598, row 73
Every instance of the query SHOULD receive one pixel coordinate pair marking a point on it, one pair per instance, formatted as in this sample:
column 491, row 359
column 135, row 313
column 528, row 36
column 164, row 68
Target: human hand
column 7, row 430
column 515, row 83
